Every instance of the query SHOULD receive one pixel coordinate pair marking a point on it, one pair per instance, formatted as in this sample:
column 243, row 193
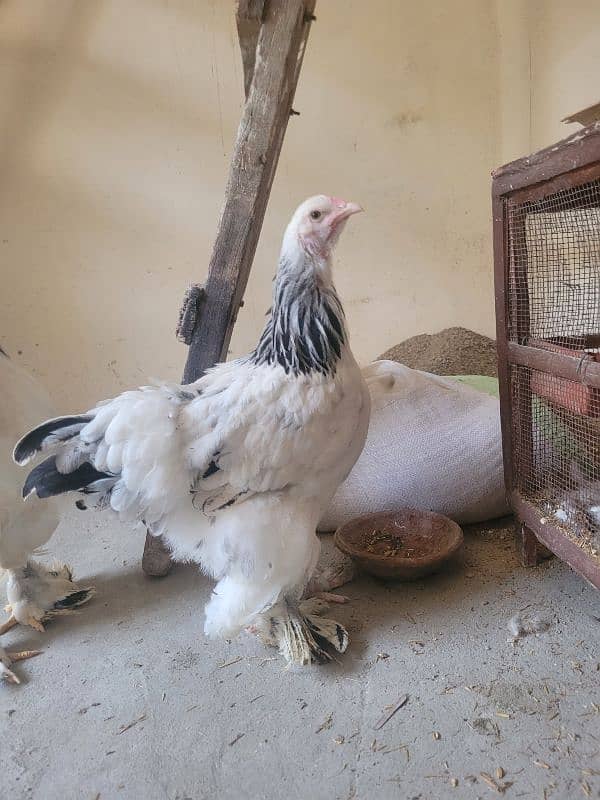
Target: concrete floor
column 484, row 715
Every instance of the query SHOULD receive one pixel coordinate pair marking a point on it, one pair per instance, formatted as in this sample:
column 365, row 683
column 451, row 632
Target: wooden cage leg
column 532, row 551
column 277, row 31
column 528, row 546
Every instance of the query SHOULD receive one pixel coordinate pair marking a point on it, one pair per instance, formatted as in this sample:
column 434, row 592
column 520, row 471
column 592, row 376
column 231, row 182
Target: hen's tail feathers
column 48, row 436
column 46, row 480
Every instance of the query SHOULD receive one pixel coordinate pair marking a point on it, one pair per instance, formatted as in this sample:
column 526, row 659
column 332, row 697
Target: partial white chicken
column 34, row 591
column 236, row 469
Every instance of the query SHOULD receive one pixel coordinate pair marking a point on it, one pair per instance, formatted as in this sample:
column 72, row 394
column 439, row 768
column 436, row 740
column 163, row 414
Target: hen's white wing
column 240, row 430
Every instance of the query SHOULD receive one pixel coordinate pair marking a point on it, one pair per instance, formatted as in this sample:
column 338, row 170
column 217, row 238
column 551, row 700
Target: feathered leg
column 301, row 634
column 36, row 593
column 341, row 572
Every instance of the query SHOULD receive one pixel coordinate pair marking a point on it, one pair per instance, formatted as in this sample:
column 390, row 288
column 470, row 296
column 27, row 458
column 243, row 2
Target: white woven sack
column 433, row 444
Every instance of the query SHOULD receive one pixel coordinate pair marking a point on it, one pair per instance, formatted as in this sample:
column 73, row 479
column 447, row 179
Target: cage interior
column 554, row 304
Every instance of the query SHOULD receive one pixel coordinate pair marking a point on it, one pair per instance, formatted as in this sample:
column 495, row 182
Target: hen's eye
column 315, row 214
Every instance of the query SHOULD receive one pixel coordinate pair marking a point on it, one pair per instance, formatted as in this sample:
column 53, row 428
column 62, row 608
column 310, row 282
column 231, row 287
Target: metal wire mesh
column 554, row 304
column 556, row 452
column 554, row 276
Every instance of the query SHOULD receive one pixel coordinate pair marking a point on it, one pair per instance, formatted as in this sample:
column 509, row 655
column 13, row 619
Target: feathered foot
column 301, row 634
column 8, row 659
column 332, row 577
column 36, row 593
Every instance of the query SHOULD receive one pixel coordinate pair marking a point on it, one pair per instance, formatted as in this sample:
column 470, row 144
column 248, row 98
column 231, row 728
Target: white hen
column 34, row 591
column 236, row 469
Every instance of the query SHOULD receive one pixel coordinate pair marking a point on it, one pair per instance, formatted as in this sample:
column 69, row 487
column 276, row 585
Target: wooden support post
column 273, row 35
column 280, row 47
column 531, row 550
column 249, row 19
column 528, row 546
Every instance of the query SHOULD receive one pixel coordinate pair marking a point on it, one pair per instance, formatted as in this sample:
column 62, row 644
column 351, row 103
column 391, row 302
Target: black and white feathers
column 236, row 468
column 144, row 451
column 306, row 329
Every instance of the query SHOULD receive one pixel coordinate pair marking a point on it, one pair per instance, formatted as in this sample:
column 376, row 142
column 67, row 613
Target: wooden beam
column 249, row 19
column 578, row 370
column 280, row 48
column 574, row 152
column 554, row 538
column 270, row 79
column 587, row 116
column 501, row 272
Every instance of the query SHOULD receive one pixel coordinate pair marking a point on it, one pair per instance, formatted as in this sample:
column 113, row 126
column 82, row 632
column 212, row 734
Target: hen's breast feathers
column 242, row 429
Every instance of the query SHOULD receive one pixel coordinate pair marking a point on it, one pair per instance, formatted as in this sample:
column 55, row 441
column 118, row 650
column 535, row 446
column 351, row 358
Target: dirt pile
column 453, row 351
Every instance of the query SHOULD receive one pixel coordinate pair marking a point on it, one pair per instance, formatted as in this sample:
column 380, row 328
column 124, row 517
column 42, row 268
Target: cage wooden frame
column 568, row 164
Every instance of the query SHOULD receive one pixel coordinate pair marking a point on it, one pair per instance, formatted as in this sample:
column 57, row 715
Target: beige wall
column 117, row 123
column 565, row 64
column 549, row 67
column 514, row 79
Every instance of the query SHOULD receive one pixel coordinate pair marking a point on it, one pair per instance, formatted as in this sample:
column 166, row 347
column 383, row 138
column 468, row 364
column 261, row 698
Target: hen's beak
column 344, row 210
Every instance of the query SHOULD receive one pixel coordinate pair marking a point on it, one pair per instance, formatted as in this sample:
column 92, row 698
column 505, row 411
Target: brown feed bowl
column 401, row 545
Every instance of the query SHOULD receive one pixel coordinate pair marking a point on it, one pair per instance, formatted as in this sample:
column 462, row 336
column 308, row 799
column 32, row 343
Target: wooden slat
column 249, row 19
column 556, row 540
column 561, row 183
column 563, row 366
column 586, row 116
column 501, row 271
column 281, row 44
column 519, row 319
column 576, row 151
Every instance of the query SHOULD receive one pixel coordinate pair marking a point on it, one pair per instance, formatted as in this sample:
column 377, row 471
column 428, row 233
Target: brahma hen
column 35, row 592
column 236, row 469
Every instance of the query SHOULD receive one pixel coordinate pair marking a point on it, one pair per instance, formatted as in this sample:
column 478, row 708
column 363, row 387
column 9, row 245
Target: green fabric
column 572, row 444
column 482, row 383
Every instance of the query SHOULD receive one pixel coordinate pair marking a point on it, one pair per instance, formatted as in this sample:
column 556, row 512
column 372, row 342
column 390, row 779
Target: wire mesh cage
column 547, row 268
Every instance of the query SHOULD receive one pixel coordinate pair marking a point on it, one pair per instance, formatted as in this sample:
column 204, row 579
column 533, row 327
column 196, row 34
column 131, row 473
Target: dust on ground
column 434, row 698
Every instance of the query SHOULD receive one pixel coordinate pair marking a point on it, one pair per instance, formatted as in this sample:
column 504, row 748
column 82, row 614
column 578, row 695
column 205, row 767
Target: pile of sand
column 453, row 351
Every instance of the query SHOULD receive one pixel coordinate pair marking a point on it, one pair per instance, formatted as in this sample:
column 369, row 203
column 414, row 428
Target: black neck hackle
column 306, row 330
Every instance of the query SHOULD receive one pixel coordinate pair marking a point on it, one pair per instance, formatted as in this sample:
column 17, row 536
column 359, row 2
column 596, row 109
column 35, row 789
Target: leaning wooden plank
column 249, row 19
column 280, row 49
column 279, row 53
